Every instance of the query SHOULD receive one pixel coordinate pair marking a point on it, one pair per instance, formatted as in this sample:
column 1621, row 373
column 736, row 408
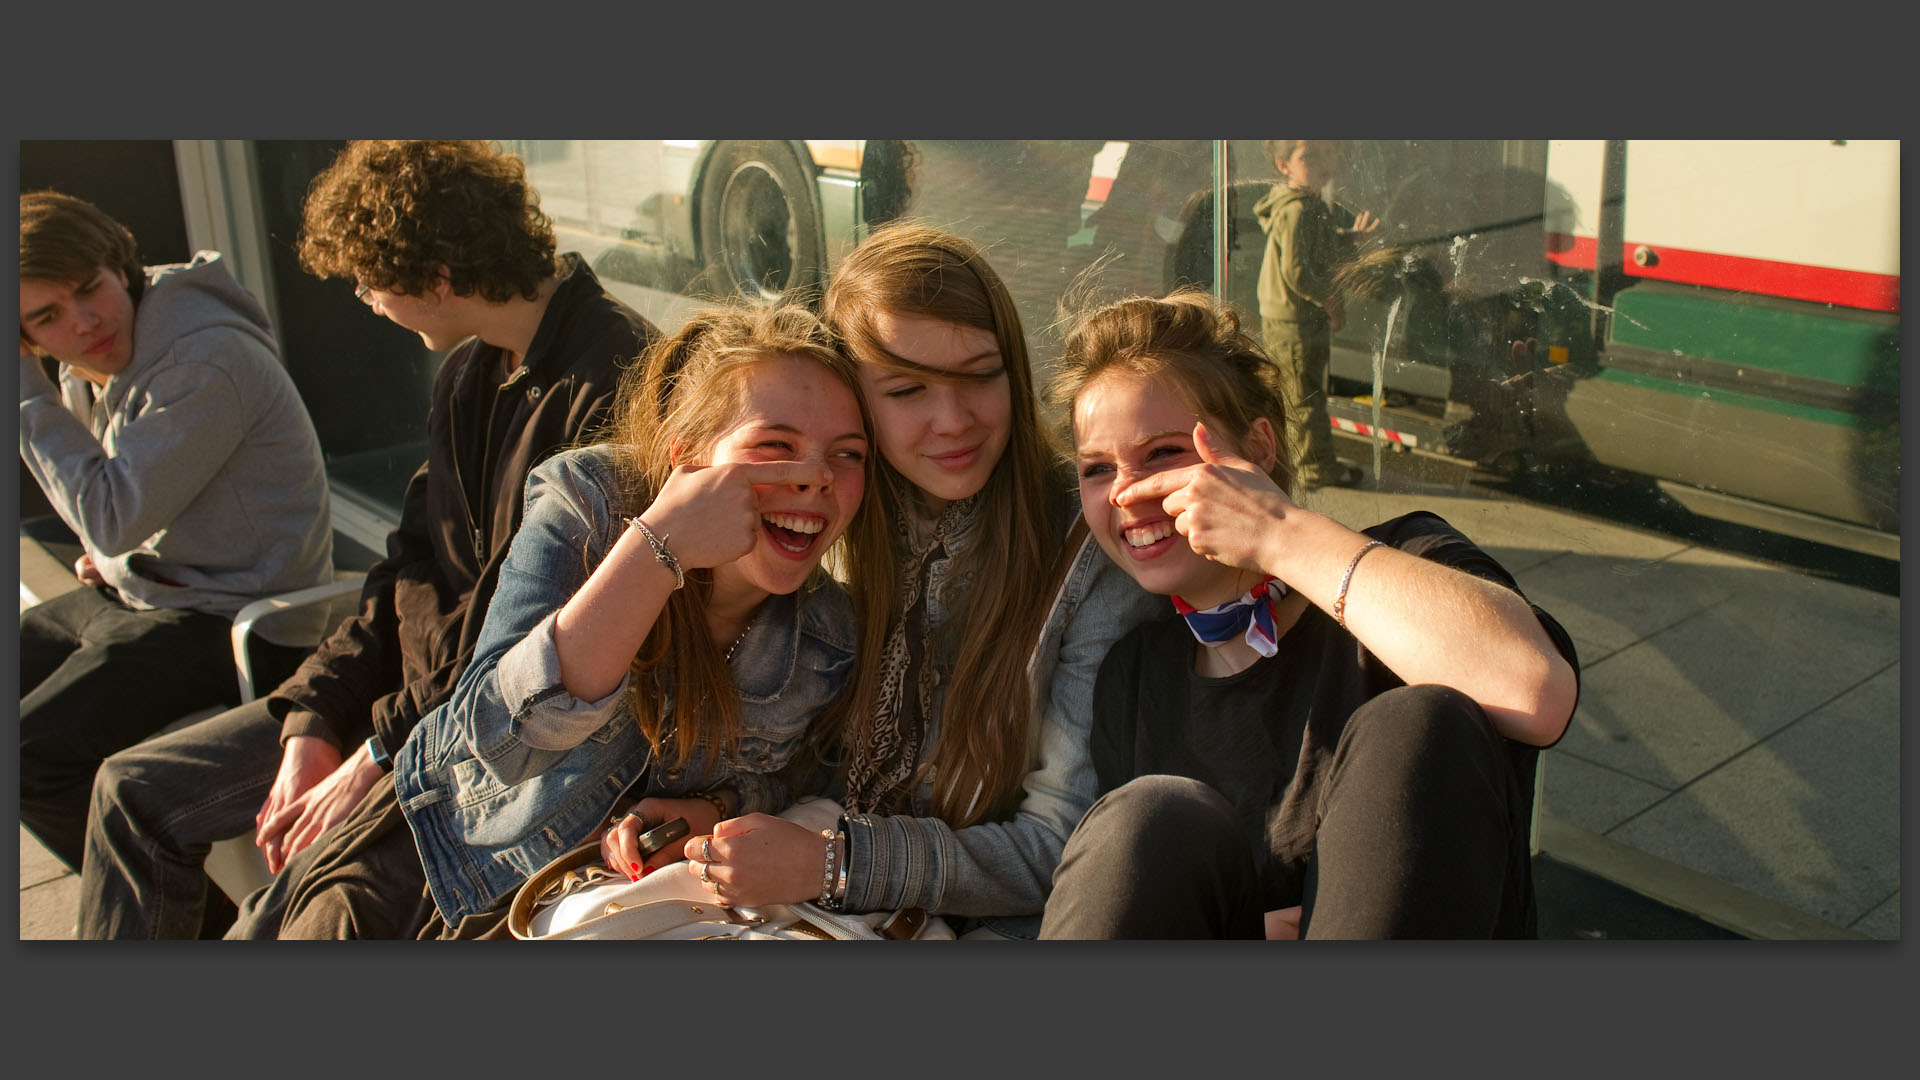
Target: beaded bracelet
column 827, row 876
column 659, row 546
column 719, row 804
column 1340, row 600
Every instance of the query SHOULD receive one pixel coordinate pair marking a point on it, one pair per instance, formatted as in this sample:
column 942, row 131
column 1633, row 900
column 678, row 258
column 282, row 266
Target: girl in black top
column 1333, row 734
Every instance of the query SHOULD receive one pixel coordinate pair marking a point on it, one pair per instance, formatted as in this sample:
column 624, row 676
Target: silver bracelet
column 1340, row 600
column 827, row 876
column 840, row 885
column 659, row 546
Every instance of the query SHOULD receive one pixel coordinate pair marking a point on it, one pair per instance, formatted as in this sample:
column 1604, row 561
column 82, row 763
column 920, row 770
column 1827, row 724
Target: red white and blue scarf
column 1252, row 615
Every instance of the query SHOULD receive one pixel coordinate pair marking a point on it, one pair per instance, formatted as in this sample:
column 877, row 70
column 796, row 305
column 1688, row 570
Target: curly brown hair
column 1195, row 347
column 396, row 214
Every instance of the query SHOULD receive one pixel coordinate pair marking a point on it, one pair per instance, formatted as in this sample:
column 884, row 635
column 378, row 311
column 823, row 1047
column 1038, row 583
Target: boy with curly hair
column 180, row 454
column 445, row 238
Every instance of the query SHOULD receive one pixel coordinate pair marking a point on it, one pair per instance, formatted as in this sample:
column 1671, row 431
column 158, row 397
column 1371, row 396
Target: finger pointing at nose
column 785, row 472
column 1157, row 486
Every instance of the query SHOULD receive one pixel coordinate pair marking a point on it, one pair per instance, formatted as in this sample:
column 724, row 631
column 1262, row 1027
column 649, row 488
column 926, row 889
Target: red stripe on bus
column 1797, row 281
column 1354, row 427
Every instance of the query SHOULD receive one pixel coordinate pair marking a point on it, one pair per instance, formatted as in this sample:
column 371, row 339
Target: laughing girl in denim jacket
column 691, row 631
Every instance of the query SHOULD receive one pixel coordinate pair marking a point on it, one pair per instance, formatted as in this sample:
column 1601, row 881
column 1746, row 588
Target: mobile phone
column 661, row 835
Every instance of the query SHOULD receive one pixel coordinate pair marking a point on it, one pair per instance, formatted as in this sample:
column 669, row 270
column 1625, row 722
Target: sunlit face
column 425, row 314
column 795, row 410
column 943, row 422
column 1312, row 164
column 1127, row 427
column 88, row 327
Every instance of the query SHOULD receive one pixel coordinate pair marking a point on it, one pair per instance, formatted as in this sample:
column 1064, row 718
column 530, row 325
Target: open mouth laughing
column 793, row 534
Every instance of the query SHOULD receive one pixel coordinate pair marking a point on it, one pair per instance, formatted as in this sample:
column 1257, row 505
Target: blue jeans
column 157, row 810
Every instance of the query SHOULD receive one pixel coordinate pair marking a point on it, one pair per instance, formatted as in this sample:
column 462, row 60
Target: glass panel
column 666, row 223
column 1659, row 382
column 366, row 381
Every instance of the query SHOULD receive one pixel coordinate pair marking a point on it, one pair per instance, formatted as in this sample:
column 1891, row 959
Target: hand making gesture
column 710, row 514
column 1225, row 505
column 705, row 516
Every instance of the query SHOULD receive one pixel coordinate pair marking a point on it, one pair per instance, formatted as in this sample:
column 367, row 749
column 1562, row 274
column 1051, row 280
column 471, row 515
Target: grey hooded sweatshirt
column 194, row 476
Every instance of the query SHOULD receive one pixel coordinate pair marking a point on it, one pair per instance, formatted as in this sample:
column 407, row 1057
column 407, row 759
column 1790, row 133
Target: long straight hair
column 671, row 410
column 984, row 749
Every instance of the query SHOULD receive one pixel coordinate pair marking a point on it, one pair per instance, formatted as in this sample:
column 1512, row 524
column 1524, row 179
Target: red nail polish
column 635, row 865
column 645, row 871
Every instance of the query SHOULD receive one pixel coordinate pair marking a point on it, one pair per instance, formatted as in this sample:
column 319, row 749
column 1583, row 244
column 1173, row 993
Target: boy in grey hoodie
column 178, row 451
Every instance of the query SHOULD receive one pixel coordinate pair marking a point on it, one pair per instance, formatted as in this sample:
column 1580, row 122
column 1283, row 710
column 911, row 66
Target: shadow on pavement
column 1578, row 906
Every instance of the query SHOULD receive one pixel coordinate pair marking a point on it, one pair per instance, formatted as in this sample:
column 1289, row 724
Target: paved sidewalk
column 49, row 893
column 1736, row 752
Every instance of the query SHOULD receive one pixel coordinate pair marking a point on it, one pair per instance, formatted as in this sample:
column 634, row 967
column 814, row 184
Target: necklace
column 731, row 649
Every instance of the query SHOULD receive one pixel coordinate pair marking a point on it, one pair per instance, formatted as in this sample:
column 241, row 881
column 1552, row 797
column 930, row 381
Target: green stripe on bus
column 1735, row 399
column 1851, row 351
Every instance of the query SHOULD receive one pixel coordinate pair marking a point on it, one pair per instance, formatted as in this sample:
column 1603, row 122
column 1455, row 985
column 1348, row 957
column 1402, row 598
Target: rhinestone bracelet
column 840, row 886
column 827, row 877
column 659, row 546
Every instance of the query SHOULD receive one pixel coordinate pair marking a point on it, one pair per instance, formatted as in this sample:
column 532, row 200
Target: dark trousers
column 1422, row 833
column 360, row 879
column 97, row 676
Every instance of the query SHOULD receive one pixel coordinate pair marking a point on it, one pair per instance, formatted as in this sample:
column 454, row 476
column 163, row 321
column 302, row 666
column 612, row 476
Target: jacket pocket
column 473, row 785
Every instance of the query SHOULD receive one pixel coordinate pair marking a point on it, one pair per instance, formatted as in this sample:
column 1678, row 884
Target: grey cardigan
column 1002, row 871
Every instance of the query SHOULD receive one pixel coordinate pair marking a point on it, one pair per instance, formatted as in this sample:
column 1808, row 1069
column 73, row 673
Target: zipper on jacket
column 474, row 525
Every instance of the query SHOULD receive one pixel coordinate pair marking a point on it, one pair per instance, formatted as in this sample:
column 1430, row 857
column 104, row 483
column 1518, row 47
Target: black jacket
column 422, row 606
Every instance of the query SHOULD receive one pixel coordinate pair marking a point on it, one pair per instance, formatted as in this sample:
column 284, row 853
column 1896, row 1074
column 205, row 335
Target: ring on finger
column 704, row 879
column 706, row 850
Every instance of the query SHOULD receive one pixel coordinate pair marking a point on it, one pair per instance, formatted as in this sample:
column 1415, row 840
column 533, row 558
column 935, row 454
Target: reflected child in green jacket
column 1299, row 309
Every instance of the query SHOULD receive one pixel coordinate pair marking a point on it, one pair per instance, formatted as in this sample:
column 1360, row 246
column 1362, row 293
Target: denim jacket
column 1005, row 868
column 513, row 771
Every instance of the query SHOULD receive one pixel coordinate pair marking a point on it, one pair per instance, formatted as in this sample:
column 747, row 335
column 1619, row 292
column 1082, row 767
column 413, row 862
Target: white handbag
column 576, row 898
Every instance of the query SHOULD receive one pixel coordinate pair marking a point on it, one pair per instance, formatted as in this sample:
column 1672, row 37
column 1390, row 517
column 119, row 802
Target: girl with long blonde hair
column 981, row 619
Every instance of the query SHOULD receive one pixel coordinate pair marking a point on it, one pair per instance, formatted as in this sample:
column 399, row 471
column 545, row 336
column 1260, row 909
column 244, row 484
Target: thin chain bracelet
column 659, row 546
column 1340, row 601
